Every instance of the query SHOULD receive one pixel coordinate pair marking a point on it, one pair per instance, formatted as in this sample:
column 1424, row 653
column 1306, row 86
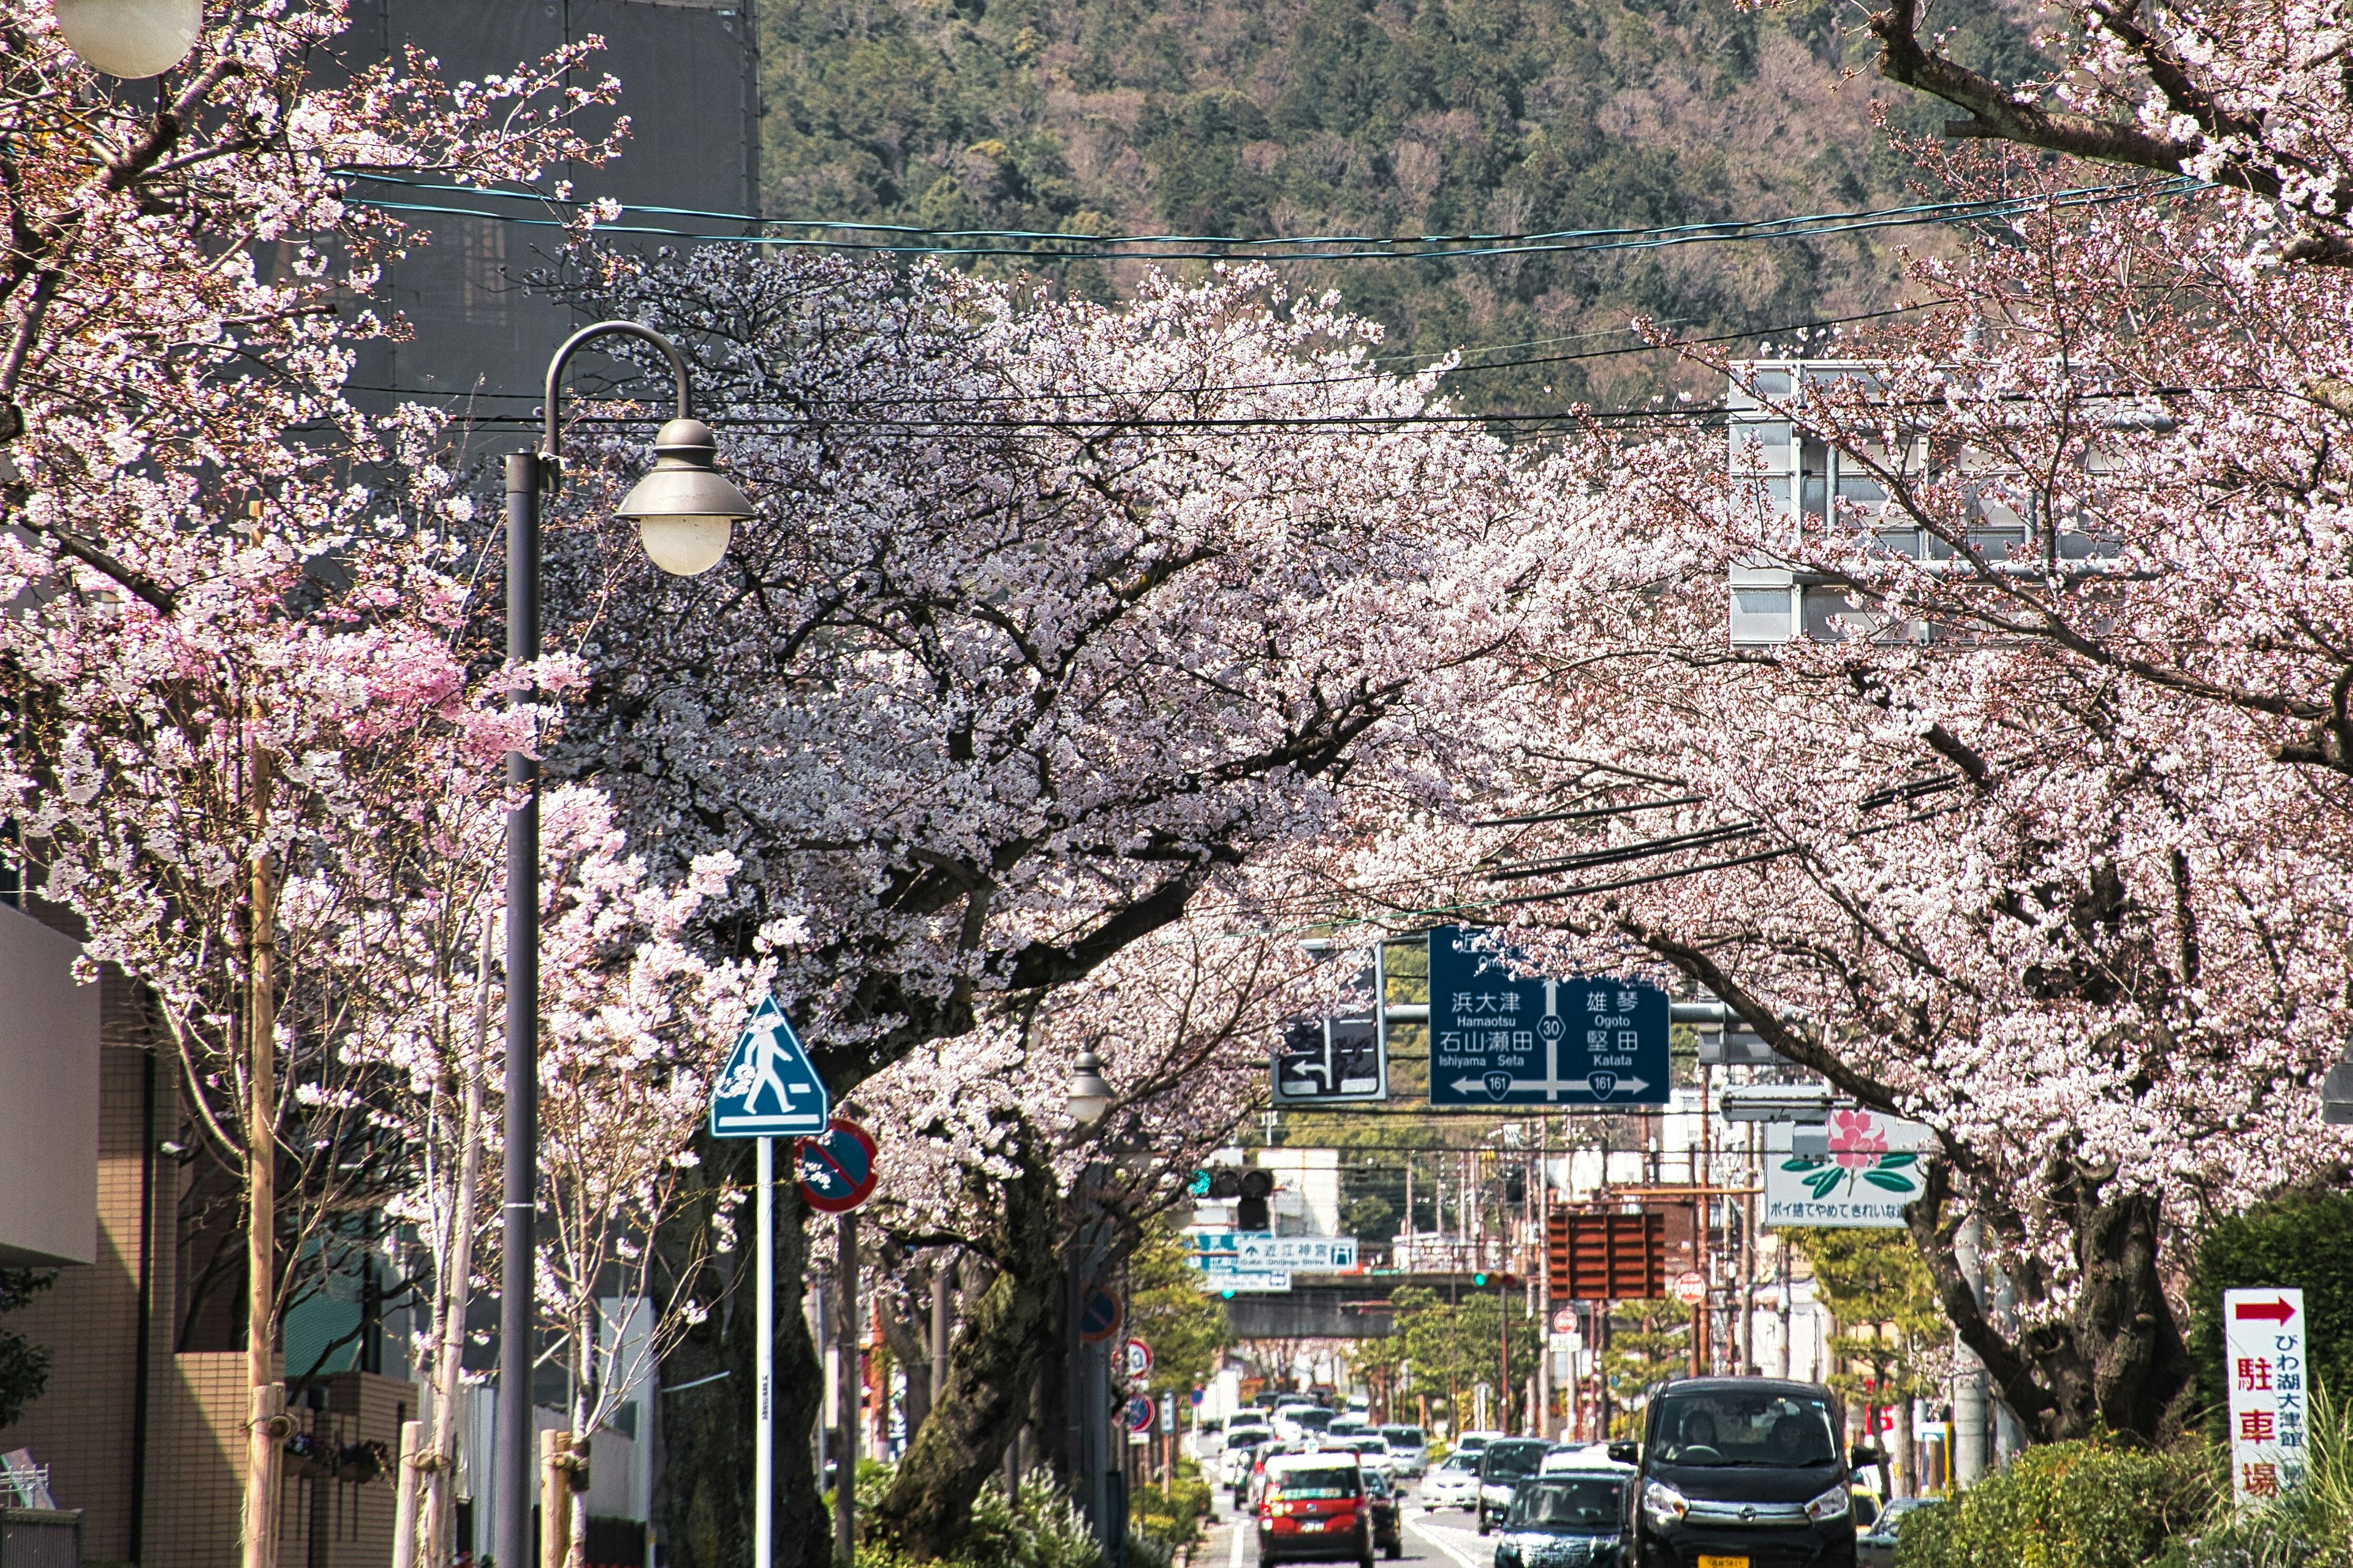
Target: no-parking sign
column 836, row 1168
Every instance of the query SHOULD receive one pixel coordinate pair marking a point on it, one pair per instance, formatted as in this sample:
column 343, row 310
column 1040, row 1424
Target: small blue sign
column 1497, row 1039
column 769, row 1089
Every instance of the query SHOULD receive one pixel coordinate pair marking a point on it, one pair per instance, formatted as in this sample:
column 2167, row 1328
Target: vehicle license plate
column 1309, row 1526
column 1723, row 1563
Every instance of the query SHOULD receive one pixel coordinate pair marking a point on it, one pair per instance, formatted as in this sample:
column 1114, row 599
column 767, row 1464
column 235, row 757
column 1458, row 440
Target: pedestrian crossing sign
column 768, row 1088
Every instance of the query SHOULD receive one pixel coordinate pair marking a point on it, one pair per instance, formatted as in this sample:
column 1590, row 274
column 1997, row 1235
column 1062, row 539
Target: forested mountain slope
column 1385, row 117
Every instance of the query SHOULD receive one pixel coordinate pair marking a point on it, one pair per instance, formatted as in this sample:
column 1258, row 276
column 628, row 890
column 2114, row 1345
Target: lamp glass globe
column 685, row 546
column 131, row 38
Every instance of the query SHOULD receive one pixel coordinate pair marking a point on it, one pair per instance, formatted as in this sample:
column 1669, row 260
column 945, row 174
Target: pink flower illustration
column 1856, row 1139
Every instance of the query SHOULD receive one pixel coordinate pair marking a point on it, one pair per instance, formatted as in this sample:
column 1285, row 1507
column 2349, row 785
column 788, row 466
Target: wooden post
column 555, row 1499
column 404, row 1506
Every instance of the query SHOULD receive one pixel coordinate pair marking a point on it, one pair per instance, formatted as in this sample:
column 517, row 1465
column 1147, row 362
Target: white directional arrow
column 1555, row 1086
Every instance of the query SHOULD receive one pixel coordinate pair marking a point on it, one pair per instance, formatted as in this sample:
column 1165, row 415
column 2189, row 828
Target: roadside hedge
column 2063, row 1505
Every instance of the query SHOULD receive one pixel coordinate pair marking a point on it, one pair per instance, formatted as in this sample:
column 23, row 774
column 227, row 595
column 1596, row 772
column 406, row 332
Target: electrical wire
column 1039, row 245
column 998, row 399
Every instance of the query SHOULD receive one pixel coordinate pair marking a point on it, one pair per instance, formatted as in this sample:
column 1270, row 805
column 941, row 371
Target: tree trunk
column 2115, row 1360
column 266, row 1436
column 706, row 1497
column 992, row 1364
column 1906, row 1450
column 440, row 1469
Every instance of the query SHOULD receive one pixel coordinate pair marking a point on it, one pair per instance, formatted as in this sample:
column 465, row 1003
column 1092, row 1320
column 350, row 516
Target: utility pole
column 845, row 1475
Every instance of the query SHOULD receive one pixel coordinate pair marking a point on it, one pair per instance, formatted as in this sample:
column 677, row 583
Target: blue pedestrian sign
column 769, row 1089
column 1497, row 1039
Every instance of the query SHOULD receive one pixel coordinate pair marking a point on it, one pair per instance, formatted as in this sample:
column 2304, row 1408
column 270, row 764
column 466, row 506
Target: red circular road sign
column 835, row 1169
column 1101, row 1315
column 1564, row 1320
column 1689, row 1288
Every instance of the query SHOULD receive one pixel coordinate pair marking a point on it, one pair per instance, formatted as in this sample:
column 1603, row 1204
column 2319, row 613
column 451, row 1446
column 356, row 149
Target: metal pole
column 845, row 1475
column 512, row 1533
column 764, row 1440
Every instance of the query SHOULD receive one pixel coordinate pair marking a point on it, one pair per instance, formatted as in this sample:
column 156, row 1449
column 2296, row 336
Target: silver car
column 1454, row 1484
column 1408, row 1452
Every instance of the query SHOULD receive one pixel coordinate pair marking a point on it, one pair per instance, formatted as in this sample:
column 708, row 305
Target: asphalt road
column 1447, row 1539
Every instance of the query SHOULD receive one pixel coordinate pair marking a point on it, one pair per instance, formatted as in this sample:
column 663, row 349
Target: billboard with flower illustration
column 1872, row 1171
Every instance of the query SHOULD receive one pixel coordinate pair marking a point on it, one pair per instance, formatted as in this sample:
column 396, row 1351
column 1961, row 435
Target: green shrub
column 2309, row 1528
column 2067, row 1505
column 2305, row 1242
column 1175, row 1519
column 1041, row 1530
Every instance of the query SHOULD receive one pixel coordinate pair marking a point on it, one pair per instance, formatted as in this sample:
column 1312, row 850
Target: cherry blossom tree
column 2248, row 94
column 2043, row 843
column 231, row 607
column 1056, row 617
column 636, row 1025
column 982, row 1156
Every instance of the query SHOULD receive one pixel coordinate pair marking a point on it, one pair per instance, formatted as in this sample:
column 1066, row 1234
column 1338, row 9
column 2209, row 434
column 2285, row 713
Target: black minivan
column 1741, row 1472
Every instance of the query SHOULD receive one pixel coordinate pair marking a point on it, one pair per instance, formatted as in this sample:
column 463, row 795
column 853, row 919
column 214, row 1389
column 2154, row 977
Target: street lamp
column 684, row 510
column 1089, row 1095
column 131, row 38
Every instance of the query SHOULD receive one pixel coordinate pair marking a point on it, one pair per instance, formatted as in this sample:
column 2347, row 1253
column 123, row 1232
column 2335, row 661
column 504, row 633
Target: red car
column 1316, row 1508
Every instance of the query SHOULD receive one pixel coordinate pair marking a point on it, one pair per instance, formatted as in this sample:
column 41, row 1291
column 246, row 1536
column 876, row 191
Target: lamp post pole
column 680, row 507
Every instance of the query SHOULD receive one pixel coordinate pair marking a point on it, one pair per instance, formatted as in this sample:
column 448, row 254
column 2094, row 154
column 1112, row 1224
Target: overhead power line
column 1040, row 245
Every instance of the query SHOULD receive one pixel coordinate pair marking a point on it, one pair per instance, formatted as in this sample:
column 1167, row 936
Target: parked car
column 1454, row 1484
column 1389, row 1528
column 1503, row 1464
column 1409, row 1451
column 1875, row 1547
column 1571, row 1517
column 1315, row 1509
column 1742, row 1468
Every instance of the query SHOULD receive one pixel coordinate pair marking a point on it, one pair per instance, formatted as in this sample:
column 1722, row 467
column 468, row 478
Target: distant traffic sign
column 1564, row 1320
column 1691, row 1289
column 1139, row 1359
column 1495, row 1038
column 1101, row 1315
column 837, row 1167
column 1331, row 1061
column 1139, row 1413
column 768, row 1088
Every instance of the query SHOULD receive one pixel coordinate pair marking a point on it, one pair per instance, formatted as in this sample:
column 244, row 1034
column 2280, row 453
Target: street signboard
column 1871, row 1170
column 769, row 1089
column 836, row 1169
column 1167, row 1414
column 1689, row 1288
column 2263, row 1355
column 1495, row 1038
column 1139, row 1359
column 1613, row 1256
column 1259, row 1249
column 1331, row 1061
column 1101, row 1315
column 1248, row 1283
column 1566, row 1344
column 1139, row 1413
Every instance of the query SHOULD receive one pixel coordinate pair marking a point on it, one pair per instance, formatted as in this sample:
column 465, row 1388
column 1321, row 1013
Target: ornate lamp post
column 684, row 510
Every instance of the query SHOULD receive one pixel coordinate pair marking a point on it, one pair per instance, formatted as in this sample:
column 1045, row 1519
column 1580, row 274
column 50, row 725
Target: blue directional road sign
column 1497, row 1039
column 769, row 1089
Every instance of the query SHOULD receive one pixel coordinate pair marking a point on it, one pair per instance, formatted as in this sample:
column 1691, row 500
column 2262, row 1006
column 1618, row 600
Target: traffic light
column 1480, row 1278
column 1225, row 1183
column 1515, row 1187
column 1199, row 1185
column 1252, row 1187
